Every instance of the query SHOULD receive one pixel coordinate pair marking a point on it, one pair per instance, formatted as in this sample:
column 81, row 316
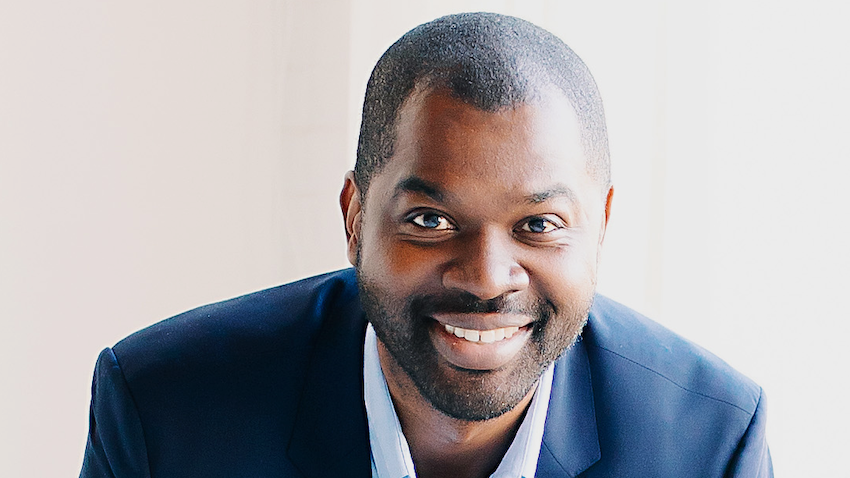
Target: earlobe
column 349, row 202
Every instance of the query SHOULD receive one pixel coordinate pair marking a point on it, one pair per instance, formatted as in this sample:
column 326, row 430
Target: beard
column 404, row 327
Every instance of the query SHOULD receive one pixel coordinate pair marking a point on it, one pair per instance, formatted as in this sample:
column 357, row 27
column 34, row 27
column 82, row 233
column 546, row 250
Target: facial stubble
column 403, row 327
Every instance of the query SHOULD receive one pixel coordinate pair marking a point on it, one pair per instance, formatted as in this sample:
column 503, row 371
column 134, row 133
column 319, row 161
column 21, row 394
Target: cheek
column 397, row 264
column 408, row 260
column 564, row 274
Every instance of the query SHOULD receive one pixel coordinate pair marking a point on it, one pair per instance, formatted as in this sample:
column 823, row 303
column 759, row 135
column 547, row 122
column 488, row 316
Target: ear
column 349, row 202
column 609, row 197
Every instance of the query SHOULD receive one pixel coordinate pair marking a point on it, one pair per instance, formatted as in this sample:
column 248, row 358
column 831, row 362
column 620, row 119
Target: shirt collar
column 390, row 453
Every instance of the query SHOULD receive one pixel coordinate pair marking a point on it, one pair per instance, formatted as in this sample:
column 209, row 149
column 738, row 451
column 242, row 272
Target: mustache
column 460, row 302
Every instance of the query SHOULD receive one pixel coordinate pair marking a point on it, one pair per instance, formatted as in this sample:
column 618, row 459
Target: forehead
column 509, row 152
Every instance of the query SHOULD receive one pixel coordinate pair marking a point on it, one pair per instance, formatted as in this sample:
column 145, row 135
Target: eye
column 539, row 225
column 433, row 221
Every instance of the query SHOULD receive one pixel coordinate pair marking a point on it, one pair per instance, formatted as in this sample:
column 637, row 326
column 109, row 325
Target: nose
column 486, row 266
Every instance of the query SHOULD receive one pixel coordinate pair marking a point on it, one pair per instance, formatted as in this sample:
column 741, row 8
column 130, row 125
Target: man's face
column 476, row 248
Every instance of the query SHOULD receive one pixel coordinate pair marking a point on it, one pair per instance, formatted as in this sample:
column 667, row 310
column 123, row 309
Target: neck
column 442, row 446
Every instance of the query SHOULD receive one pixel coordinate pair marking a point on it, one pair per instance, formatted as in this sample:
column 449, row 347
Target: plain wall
column 156, row 156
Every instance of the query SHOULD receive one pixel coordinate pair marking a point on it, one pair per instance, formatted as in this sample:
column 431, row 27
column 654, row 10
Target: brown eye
column 538, row 225
column 430, row 220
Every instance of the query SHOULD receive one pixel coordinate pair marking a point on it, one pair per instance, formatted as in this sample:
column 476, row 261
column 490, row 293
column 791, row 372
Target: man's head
column 477, row 209
column 487, row 60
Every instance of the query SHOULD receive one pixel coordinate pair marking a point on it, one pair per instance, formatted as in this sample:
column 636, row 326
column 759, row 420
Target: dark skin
column 494, row 204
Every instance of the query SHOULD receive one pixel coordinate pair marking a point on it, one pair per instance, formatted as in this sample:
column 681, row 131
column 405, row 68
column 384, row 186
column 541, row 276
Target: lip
column 482, row 321
column 479, row 355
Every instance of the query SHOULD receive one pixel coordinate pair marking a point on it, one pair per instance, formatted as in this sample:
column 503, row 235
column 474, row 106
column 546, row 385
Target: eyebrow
column 417, row 185
column 557, row 191
column 414, row 184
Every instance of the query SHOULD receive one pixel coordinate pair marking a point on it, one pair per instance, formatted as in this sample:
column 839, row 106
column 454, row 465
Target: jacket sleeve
column 116, row 443
column 752, row 457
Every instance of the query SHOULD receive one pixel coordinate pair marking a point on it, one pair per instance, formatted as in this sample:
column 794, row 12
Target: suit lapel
column 570, row 440
column 330, row 435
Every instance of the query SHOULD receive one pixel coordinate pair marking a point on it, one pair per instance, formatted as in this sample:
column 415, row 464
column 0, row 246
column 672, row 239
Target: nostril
column 485, row 264
column 486, row 282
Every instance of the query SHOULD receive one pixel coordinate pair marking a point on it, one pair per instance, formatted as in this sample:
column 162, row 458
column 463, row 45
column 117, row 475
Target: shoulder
column 243, row 330
column 664, row 406
column 222, row 382
column 624, row 339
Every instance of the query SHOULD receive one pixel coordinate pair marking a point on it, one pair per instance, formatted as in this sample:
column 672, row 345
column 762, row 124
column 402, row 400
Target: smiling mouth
column 483, row 336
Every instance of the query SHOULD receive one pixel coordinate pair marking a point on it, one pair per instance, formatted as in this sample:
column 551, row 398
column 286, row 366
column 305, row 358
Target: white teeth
column 483, row 336
column 488, row 336
column 498, row 334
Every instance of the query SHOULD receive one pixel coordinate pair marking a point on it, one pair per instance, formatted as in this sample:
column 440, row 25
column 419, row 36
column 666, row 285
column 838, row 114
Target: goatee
column 403, row 326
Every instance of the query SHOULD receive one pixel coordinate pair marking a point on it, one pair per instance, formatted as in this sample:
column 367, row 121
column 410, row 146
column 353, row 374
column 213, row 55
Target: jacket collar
column 570, row 438
column 330, row 436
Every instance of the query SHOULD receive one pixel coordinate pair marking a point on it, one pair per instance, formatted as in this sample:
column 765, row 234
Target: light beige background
column 158, row 155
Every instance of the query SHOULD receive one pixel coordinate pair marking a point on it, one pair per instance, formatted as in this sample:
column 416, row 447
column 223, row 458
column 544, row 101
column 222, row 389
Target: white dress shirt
column 390, row 452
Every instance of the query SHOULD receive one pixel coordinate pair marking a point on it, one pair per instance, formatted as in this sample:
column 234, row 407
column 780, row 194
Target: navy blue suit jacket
column 271, row 385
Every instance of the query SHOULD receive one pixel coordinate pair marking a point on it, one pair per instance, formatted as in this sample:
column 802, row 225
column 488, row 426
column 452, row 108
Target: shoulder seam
column 673, row 381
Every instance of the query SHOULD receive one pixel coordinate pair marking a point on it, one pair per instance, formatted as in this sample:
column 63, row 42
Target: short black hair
column 487, row 60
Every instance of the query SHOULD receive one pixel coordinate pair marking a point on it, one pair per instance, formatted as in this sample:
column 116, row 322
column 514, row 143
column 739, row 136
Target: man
column 468, row 341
